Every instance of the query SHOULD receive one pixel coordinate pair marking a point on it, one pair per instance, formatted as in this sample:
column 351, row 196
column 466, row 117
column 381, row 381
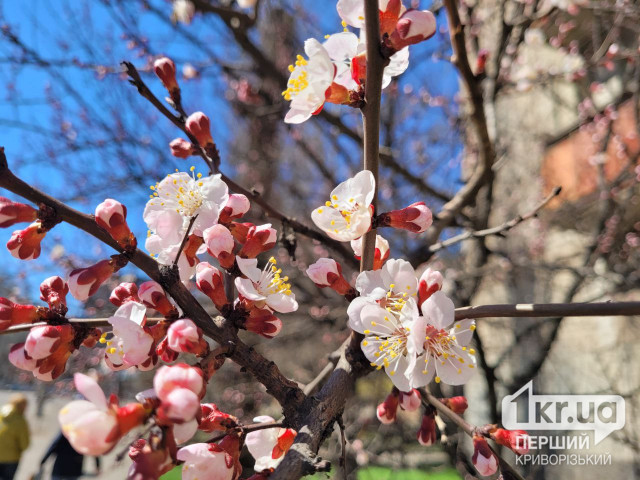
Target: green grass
column 371, row 473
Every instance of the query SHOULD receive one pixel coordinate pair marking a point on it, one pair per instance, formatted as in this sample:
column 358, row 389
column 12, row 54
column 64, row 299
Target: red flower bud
column 237, row 205
column 359, row 68
column 209, row 281
column 220, row 244
column 199, row 126
column 25, row 244
column 166, row 71
column 416, row 218
column 165, row 353
column 483, row 458
column 239, row 230
column 326, row 272
column 125, row 292
column 54, row 291
column 456, row 404
column 84, row 282
column 414, row 26
column 430, row 282
column 516, row 440
column 213, row 420
column 427, row 433
column 387, row 410
column 13, row 212
column 111, row 215
column 263, row 322
column 131, row 416
column 181, row 148
column 481, row 61
column 153, row 296
column 259, row 239
column 15, row 314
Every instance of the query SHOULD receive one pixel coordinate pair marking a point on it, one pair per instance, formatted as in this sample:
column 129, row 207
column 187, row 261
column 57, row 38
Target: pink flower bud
column 213, row 420
column 410, row 401
column 15, row 314
column 427, row 433
column 387, row 410
column 237, row 205
column 199, row 126
column 263, row 322
column 25, row 244
column 125, row 292
column 111, row 215
column 54, row 291
column 165, row 353
column 42, row 341
column 430, row 282
column 259, row 239
column 516, row 440
column 19, row 358
column 414, row 26
column 166, row 71
column 180, row 405
column 184, row 336
column 209, row 281
column 182, row 148
column 13, row 212
column 84, row 282
column 416, row 218
column 381, row 254
column 153, row 296
column 220, row 244
column 456, row 404
column 326, row 272
column 181, row 375
column 483, row 458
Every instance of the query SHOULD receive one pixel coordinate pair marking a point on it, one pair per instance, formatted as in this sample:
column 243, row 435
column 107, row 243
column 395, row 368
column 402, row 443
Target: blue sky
column 33, row 128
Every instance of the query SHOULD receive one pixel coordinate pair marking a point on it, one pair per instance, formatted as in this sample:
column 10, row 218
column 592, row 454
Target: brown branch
column 466, row 427
column 90, row 322
column 184, row 239
column 285, row 391
column 246, row 429
column 269, row 210
column 500, row 229
column 530, row 310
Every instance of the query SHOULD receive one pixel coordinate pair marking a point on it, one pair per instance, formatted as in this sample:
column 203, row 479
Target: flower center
column 298, row 83
column 184, row 193
column 271, row 282
column 390, row 347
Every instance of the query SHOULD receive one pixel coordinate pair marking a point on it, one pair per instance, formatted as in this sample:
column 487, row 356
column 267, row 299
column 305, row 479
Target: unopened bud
column 263, row 322
column 326, row 272
column 186, row 337
column 416, row 218
column 54, row 291
column 153, row 296
column 125, row 292
column 237, row 205
column 483, row 458
column 410, row 401
column 430, row 282
column 16, row 314
column 25, row 244
column 259, row 239
column 84, row 282
column 111, row 215
column 456, row 404
column 14, row 212
column 20, row 359
column 213, row 420
column 220, row 244
column 239, row 230
column 166, row 71
column 165, row 352
column 182, row 148
column 199, row 126
column 414, row 26
column 427, row 433
column 387, row 410
column 381, row 254
column 516, row 440
column 209, row 281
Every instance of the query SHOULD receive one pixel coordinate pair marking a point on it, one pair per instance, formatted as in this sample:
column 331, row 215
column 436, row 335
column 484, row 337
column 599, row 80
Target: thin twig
column 500, row 229
column 246, row 429
column 550, row 310
column 184, row 239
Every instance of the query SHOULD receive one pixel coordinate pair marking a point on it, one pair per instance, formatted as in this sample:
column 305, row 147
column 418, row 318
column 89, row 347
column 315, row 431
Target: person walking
column 68, row 462
column 14, row 435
